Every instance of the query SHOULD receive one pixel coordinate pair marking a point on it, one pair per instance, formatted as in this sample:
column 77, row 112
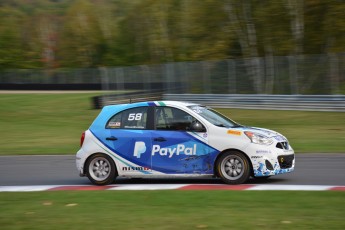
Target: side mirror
column 196, row 126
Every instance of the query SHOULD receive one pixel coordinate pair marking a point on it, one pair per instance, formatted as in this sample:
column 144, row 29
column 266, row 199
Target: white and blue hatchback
column 178, row 139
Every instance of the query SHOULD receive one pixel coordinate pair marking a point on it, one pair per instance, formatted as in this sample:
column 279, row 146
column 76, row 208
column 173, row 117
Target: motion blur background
column 289, row 53
column 183, row 46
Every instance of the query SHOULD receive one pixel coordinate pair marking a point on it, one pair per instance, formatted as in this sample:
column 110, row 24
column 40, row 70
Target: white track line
column 148, row 187
column 35, row 188
column 291, row 187
column 170, row 187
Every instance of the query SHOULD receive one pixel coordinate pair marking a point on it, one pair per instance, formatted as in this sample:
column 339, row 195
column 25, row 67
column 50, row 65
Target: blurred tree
column 91, row 33
column 81, row 35
column 240, row 16
column 274, row 36
column 207, row 31
column 11, row 50
column 296, row 11
column 334, row 24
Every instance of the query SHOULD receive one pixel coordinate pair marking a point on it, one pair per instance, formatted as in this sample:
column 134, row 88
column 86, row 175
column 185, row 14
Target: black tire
column 233, row 167
column 100, row 169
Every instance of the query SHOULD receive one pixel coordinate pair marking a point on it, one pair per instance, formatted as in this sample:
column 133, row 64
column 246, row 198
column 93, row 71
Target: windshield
column 214, row 117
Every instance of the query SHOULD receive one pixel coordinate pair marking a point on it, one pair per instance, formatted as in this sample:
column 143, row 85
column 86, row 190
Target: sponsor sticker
column 172, row 151
column 263, row 151
column 128, row 168
column 197, row 109
column 256, row 157
column 234, row 132
column 134, row 127
column 114, row 124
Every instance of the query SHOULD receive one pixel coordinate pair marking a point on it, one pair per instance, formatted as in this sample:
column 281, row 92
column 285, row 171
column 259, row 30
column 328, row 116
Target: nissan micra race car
column 178, row 139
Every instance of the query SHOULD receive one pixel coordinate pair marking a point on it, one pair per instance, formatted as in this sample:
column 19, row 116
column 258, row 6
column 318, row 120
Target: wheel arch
column 215, row 170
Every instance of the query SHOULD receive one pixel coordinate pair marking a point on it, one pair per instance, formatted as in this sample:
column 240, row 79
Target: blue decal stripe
column 122, row 155
column 151, row 103
column 199, row 136
column 201, row 142
column 213, row 153
column 142, row 171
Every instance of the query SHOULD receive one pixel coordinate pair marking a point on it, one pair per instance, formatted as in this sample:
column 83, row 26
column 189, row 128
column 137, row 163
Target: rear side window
column 135, row 118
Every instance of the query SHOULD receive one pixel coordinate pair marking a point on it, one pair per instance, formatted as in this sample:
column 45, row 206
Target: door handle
column 160, row 139
column 112, row 138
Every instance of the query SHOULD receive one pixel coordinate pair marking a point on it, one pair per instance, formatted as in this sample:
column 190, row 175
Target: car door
column 128, row 136
column 176, row 147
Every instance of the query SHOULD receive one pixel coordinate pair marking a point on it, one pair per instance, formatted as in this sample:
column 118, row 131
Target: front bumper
column 270, row 160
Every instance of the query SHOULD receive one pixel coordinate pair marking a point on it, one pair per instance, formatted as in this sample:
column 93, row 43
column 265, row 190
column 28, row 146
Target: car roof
column 149, row 103
column 108, row 111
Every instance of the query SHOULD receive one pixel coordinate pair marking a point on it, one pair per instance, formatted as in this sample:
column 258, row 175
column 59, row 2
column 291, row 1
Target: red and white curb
column 247, row 187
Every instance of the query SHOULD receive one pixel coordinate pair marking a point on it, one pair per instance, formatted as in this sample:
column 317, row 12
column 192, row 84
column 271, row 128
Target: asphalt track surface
column 311, row 169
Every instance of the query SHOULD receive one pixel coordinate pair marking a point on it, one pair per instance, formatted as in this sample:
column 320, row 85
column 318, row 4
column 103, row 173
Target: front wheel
column 233, row 167
column 100, row 169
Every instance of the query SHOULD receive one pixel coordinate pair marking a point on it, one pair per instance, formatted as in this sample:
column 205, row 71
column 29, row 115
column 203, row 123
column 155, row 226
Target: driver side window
column 168, row 118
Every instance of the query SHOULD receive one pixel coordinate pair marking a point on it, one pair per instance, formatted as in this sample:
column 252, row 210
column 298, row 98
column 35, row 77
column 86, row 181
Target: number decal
column 138, row 116
column 135, row 116
column 131, row 116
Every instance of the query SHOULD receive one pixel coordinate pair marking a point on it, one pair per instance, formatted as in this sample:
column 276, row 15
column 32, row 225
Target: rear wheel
column 100, row 169
column 233, row 167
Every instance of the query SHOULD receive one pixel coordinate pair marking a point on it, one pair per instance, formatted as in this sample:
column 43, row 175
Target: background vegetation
column 93, row 33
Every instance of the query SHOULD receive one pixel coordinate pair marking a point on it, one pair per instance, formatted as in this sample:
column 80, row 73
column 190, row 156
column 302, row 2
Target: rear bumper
column 80, row 162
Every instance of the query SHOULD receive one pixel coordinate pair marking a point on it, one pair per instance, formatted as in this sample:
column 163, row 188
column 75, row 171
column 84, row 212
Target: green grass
column 318, row 132
column 43, row 123
column 53, row 123
column 173, row 210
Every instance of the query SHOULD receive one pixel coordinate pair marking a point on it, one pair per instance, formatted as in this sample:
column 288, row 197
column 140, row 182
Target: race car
column 178, row 139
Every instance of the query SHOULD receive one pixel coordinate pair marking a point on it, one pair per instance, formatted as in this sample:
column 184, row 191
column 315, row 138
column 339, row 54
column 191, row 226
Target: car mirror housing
column 196, row 126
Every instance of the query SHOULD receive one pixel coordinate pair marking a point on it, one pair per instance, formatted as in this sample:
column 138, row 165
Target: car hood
column 265, row 132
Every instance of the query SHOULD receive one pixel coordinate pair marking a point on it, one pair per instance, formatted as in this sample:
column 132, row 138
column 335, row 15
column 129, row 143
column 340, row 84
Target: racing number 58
column 135, row 116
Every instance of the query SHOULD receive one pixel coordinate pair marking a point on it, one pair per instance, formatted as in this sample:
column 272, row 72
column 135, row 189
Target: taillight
column 82, row 139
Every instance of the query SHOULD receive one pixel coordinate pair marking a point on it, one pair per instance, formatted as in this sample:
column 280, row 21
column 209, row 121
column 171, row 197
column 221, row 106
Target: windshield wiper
column 220, row 125
column 237, row 126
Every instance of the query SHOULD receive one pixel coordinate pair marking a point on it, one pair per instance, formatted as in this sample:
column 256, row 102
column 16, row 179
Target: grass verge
column 307, row 131
column 44, row 123
column 53, row 123
column 173, row 210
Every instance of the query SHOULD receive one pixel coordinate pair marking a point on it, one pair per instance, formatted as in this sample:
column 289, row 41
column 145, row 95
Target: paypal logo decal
column 179, row 149
column 139, row 148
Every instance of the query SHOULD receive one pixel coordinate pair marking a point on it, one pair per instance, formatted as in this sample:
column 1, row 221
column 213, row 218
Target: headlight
column 258, row 138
